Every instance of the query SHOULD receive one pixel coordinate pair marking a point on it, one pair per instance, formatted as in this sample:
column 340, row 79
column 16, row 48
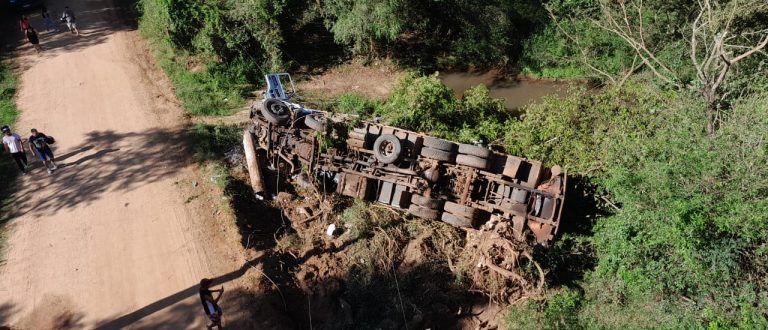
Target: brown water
column 516, row 93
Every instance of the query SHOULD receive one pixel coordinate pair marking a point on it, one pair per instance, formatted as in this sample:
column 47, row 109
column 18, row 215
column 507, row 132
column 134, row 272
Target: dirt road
column 110, row 240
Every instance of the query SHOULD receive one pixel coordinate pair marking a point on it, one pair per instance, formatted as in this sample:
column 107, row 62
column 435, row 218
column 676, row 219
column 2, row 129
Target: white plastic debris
column 331, row 229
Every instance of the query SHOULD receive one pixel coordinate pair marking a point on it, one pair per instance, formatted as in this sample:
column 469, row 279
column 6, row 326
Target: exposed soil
column 121, row 234
column 374, row 80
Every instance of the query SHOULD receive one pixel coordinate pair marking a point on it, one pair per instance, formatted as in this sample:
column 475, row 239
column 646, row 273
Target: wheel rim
column 277, row 109
column 386, row 149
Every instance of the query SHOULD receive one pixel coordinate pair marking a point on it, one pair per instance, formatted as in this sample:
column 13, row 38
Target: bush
column 355, row 104
column 420, row 103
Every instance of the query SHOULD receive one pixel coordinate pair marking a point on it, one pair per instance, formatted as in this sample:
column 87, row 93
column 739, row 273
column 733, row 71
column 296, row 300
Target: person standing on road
column 12, row 144
column 210, row 304
column 38, row 143
column 24, row 23
column 68, row 16
column 47, row 21
column 34, row 39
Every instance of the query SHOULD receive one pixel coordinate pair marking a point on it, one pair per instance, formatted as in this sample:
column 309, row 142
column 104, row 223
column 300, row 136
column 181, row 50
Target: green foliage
column 210, row 142
column 559, row 311
column 355, row 104
column 363, row 23
column 571, row 131
column 420, row 103
column 8, row 112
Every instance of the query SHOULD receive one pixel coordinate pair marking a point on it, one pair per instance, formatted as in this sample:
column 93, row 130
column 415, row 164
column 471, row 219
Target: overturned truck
column 461, row 184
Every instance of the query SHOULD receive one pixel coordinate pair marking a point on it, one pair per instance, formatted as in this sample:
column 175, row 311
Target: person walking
column 211, row 304
column 12, row 144
column 24, row 23
column 68, row 16
column 38, row 143
column 34, row 39
column 47, row 21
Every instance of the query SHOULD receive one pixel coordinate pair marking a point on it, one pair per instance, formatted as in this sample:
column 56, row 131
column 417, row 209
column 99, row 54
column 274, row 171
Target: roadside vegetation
column 8, row 114
column 666, row 224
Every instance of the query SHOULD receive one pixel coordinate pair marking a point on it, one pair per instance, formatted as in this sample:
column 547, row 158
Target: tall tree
column 721, row 34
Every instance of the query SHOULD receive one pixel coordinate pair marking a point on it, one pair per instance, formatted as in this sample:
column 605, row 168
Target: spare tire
column 460, row 210
column 423, row 212
column 468, row 149
column 387, row 148
column 276, row 111
column 456, row 221
column 472, row 161
column 316, row 121
column 441, row 155
column 439, row 144
column 428, row 202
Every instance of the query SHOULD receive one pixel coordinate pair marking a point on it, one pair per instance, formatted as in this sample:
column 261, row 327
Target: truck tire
column 387, row 148
column 428, row 202
column 441, row 155
column 472, row 161
column 423, row 212
column 456, row 221
column 460, row 210
column 276, row 112
column 480, row 152
column 316, row 122
column 439, row 144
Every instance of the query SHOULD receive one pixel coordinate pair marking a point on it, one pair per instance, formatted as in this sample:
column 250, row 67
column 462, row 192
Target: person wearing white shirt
column 12, row 144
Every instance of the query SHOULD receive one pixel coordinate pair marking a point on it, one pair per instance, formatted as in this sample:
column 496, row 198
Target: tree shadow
column 96, row 24
column 105, row 161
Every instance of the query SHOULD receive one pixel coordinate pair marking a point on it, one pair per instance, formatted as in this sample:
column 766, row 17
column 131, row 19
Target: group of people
column 67, row 16
column 38, row 143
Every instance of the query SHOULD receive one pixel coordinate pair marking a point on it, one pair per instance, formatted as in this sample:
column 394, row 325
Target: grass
column 210, row 142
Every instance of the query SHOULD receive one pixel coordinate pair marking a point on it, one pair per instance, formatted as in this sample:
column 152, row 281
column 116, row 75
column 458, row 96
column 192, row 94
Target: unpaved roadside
column 112, row 239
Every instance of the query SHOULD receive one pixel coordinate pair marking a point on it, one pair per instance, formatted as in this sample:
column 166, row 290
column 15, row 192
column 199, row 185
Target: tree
column 722, row 34
column 364, row 22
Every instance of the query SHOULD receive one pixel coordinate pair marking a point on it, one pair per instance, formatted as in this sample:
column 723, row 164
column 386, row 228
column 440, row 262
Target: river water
column 516, row 93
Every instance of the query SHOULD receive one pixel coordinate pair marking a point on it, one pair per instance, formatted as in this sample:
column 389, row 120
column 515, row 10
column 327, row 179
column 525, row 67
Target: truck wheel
column 439, row 144
column 276, row 112
column 387, row 148
column 456, row 221
column 316, row 122
column 480, row 152
column 423, row 212
column 472, row 161
column 441, row 155
column 430, row 203
column 460, row 210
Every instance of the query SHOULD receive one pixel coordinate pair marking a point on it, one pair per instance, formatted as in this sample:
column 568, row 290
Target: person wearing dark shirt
column 33, row 39
column 38, row 143
column 47, row 21
column 211, row 304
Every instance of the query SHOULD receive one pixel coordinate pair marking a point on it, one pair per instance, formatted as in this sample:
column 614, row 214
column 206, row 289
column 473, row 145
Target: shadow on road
column 104, row 162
